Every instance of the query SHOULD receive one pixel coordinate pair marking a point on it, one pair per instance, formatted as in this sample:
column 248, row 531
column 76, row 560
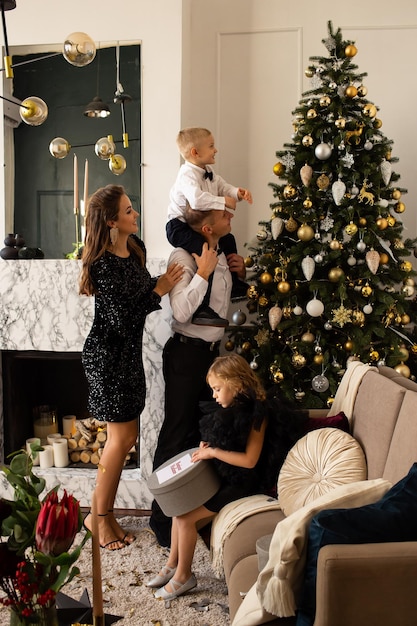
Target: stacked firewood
column 86, row 444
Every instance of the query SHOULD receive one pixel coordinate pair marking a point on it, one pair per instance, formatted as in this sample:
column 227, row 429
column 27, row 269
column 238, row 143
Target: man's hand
column 206, row 262
column 236, row 264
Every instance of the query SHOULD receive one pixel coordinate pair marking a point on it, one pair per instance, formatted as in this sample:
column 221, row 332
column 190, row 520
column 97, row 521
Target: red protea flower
column 57, row 524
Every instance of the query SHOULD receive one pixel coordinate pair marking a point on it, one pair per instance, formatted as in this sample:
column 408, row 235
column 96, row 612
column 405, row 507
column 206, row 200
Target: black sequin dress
column 112, row 352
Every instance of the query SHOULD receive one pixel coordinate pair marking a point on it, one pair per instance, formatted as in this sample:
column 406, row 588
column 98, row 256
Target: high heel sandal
column 105, row 546
column 128, row 538
column 162, row 578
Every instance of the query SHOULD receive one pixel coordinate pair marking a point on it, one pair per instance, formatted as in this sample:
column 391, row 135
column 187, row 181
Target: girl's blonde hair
column 240, row 378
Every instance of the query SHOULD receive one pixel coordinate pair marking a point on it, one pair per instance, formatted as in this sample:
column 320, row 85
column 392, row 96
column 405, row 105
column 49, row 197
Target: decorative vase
column 47, row 616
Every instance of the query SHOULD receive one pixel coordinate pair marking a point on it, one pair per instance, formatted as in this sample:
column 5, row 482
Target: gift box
column 180, row 486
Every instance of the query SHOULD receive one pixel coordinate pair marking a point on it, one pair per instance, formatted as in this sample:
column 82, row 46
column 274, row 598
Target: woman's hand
column 168, row 280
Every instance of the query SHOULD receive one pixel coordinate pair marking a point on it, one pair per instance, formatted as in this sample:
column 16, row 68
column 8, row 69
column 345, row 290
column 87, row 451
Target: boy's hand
column 245, row 194
column 229, row 202
column 206, row 262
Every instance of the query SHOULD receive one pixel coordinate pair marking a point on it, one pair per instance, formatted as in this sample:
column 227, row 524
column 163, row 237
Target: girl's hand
column 204, row 452
column 168, row 280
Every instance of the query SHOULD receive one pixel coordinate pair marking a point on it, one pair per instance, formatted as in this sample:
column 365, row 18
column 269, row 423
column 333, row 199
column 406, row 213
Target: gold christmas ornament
column 266, row 278
column 307, row 337
column 403, row 369
column 382, row 223
column 391, row 221
column 307, row 204
column 372, row 258
column 351, row 229
column 366, row 291
column 309, row 72
column 396, row 194
column 351, row 50
column 358, row 318
column 348, row 345
column 383, row 258
column 406, row 266
column 290, row 192
column 229, row 345
column 305, row 232
column 306, row 173
column 334, row 244
column 252, row 292
column 351, row 91
column 340, row 123
column 283, row 286
column 362, row 91
column 362, row 221
column 369, row 110
column 404, row 353
column 318, row 359
column 323, row 182
column 287, row 311
column 374, row 355
column 246, row 346
column 298, row 360
column 291, row 225
column 399, row 207
column 409, row 281
column 377, row 123
column 307, row 141
column 324, row 101
column 335, row 274
column 278, row 377
column 279, row 169
column 248, row 261
column 263, row 301
column 311, row 114
column 407, row 291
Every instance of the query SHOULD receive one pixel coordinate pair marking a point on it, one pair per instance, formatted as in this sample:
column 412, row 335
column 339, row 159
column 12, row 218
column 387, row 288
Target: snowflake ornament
column 348, row 159
column 288, row 160
column 327, row 223
column 262, row 337
column 342, row 315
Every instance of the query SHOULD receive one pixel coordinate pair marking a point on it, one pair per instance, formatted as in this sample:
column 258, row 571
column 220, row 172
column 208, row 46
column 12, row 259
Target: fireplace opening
column 35, row 378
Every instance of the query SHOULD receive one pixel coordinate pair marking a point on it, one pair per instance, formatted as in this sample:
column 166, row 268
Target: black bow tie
column 208, row 174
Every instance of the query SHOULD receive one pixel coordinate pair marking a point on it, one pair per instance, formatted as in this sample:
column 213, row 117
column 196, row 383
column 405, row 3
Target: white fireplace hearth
column 41, row 311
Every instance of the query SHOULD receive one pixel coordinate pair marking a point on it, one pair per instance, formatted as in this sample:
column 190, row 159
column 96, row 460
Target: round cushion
column 322, row 460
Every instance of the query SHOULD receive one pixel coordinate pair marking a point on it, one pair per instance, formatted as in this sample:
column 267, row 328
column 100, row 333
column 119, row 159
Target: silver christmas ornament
column 315, row 307
column 323, row 151
column 361, row 246
column 320, row 383
column 238, row 317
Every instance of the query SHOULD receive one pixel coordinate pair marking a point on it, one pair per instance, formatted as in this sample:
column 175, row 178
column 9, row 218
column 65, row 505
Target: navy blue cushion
column 392, row 518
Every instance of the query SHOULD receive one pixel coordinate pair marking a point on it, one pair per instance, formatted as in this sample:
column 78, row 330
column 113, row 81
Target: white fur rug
column 124, row 573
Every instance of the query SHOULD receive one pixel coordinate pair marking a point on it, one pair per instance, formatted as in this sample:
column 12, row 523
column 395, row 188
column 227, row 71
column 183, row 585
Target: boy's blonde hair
column 236, row 371
column 189, row 138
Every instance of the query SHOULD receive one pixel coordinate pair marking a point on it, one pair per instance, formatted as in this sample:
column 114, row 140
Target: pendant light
column 97, row 108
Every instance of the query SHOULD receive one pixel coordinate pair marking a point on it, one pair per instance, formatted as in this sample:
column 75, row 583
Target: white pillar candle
column 68, row 425
column 61, row 458
column 35, row 457
column 53, row 437
column 46, row 457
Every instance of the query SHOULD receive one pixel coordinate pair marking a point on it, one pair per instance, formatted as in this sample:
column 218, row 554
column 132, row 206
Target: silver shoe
column 163, row 578
column 179, row 589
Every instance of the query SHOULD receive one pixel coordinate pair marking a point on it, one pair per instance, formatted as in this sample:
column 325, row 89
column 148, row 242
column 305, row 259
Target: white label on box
column 175, row 468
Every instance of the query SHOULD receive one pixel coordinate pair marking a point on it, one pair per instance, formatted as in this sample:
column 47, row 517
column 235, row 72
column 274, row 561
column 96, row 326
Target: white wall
column 237, row 67
column 247, row 76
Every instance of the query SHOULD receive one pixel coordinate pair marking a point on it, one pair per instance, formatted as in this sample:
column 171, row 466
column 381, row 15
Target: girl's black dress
column 112, row 352
column 229, row 429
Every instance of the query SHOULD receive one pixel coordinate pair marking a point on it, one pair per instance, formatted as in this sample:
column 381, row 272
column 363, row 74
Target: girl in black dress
column 114, row 271
column 247, row 438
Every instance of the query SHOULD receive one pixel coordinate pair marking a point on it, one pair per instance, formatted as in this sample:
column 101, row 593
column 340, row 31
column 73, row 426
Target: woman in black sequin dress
column 114, row 271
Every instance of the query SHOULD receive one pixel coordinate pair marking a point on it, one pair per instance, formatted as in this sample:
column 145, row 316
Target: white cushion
column 320, row 461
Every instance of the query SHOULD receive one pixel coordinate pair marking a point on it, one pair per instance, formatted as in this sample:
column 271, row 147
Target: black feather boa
column 229, row 428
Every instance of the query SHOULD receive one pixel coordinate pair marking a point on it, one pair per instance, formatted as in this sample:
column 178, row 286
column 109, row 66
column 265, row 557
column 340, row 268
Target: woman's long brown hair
column 103, row 207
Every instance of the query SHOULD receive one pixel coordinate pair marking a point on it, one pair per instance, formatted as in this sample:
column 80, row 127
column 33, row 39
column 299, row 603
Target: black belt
column 199, row 343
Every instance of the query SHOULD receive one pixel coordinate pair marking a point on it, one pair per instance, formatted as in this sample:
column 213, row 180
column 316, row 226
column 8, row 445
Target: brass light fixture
column 97, row 108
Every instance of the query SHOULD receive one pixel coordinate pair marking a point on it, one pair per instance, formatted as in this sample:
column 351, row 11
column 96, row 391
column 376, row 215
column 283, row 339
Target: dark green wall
column 44, row 185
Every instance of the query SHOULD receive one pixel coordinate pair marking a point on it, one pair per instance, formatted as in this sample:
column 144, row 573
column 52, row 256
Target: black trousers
column 185, row 368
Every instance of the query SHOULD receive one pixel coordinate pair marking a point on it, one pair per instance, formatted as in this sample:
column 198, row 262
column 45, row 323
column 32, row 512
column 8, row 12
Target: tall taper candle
column 76, row 199
column 85, row 186
column 98, row 611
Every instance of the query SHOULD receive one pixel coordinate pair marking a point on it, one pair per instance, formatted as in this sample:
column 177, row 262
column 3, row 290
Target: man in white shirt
column 189, row 353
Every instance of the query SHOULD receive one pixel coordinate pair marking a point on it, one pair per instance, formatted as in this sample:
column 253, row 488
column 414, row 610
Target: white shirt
column 187, row 295
column 202, row 193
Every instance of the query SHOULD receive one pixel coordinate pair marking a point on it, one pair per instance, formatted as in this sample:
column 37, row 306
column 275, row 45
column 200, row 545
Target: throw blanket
column 228, row 518
column 346, row 393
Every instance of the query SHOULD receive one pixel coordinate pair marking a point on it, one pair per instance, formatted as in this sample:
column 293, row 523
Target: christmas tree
column 332, row 279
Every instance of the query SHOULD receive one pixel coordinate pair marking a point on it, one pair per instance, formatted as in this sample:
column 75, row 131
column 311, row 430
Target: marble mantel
column 40, row 309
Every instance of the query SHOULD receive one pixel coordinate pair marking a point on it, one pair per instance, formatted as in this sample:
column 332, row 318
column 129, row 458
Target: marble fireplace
column 43, row 324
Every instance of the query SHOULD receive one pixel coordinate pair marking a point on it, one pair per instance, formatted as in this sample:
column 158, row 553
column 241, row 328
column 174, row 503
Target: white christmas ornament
column 274, row 316
column 315, row 307
column 323, row 151
column 338, row 191
column 297, row 310
column 386, row 171
column 372, row 260
column 306, row 173
column 277, row 225
column 361, row 246
column 308, row 266
column 320, row 383
column 351, row 260
column 367, row 309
